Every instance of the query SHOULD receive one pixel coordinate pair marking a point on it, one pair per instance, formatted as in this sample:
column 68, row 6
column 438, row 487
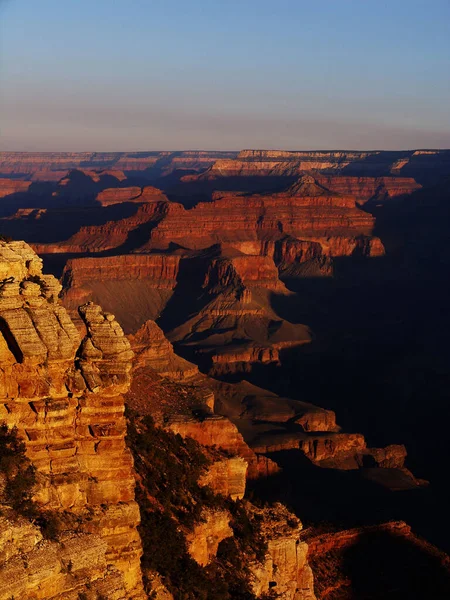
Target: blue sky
column 144, row 74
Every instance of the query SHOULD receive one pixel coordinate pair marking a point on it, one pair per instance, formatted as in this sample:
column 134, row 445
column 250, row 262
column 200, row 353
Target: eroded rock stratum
column 64, row 394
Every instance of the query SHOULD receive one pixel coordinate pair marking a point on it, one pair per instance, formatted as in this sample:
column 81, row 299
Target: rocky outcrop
column 330, row 449
column 218, row 432
column 203, row 541
column 227, row 477
column 307, row 211
column 112, row 196
column 65, row 396
column 285, row 569
column 152, row 349
column 240, row 271
column 32, row 567
column 161, row 269
column 235, row 325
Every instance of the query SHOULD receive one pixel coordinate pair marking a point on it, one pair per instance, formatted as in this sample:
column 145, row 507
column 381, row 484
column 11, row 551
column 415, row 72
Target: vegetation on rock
column 17, row 472
column 171, row 502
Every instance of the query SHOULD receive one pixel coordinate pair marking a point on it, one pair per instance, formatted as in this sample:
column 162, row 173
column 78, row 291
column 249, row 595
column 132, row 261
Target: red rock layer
column 270, row 163
column 130, row 194
column 28, row 163
column 370, row 188
column 134, row 287
column 161, row 269
column 232, row 218
column 12, row 186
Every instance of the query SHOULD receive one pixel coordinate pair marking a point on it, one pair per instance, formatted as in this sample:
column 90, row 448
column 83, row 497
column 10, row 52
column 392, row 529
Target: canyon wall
column 29, row 163
column 65, row 396
column 422, row 165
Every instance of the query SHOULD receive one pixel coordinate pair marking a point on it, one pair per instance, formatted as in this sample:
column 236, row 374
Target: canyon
column 251, row 304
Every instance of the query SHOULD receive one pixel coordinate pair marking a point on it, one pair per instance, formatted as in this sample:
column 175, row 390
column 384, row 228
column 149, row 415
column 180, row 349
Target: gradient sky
column 170, row 74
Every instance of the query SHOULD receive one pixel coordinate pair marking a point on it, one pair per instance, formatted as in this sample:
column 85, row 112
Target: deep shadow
column 187, row 297
column 190, row 193
column 381, row 353
column 76, row 190
column 58, row 225
column 389, row 566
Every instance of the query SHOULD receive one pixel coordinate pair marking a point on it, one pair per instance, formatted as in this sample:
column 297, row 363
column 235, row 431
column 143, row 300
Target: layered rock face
column 236, row 323
column 161, row 269
column 32, row 567
column 307, row 211
column 233, row 293
column 65, row 396
column 366, row 189
column 233, row 218
column 331, row 449
column 12, row 186
column 268, row 163
column 135, row 287
column 29, row 163
column 44, row 165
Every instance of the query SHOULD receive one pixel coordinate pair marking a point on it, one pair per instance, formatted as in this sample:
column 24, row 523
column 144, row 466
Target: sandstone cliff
column 65, row 396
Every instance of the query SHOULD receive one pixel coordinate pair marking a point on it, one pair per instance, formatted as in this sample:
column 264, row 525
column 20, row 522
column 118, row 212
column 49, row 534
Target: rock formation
column 156, row 163
column 285, row 569
column 418, row 164
column 370, row 189
column 203, row 541
column 112, row 196
column 233, row 218
column 152, row 349
column 65, row 396
column 12, row 186
column 135, row 287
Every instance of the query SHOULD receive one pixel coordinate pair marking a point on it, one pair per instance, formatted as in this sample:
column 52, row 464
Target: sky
column 124, row 75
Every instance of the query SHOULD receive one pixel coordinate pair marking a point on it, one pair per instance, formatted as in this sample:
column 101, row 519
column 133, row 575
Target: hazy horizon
column 94, row 77
column 230, row 150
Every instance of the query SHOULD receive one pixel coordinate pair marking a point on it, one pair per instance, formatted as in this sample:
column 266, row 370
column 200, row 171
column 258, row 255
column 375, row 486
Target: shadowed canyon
column 224, row 375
